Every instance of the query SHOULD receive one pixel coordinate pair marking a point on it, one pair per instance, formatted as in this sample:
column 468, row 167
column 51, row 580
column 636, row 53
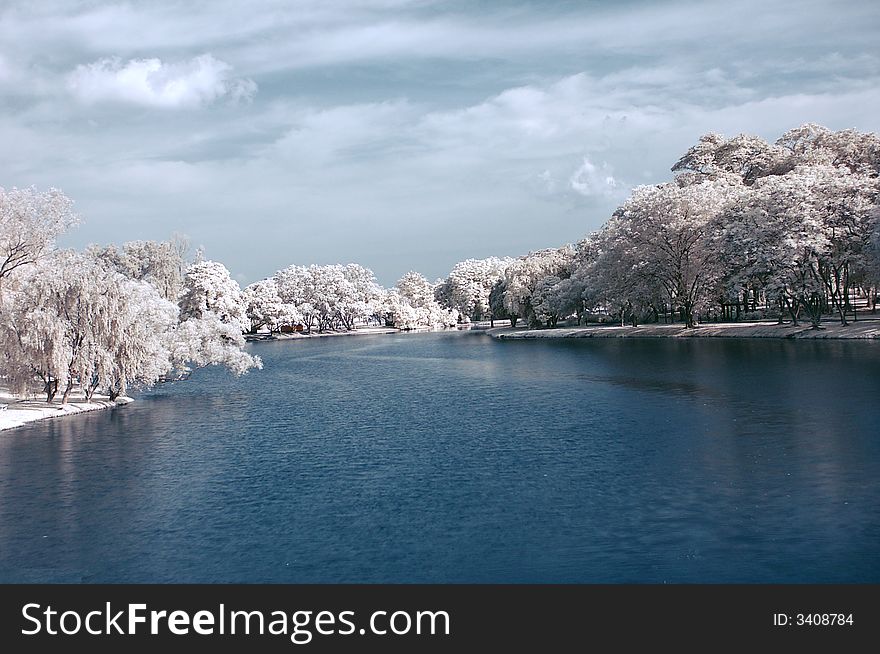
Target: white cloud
column 154, row 83
column 590, row 179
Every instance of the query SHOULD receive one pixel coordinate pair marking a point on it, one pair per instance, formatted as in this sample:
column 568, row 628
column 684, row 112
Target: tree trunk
column 90, row 391
column 687, row 311
column 67, row 391
column 51, row 389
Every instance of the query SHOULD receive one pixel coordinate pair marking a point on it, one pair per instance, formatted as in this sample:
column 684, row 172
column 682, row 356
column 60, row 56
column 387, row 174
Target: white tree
column 208, row 341
column 332, row 296
column 75, row 322
column 469, row 284
column 522, row 276
column 161, row 263
column 360, row 298
column 138, row 341
column 667, row 231
column 411, row 305
column 416, row 288
column 296, row 287
column 212, row 320
column 745, row 156
column 803, row 236
column 555, row 298
column 30, row 221
column 265, row 308
column 208, row 288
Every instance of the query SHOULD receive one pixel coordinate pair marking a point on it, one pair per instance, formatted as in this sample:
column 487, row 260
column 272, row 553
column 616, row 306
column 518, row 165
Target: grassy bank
column 862, row 329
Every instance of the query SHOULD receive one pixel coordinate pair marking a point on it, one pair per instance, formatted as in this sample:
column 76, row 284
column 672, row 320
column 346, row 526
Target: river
column 450, row 457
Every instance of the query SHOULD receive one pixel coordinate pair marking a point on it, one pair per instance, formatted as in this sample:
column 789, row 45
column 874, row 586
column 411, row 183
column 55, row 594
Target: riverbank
column 862, row 329
column 15, row 412
column 362, row 331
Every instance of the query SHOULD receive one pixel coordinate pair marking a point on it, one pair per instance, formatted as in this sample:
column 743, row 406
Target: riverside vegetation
column 746, row 229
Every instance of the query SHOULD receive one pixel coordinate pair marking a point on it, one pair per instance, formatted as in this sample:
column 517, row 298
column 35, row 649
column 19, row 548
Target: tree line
column 108, row 318
column 746, row 229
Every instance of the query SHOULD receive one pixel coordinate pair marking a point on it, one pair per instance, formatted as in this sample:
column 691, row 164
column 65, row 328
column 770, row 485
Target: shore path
column 868, row 328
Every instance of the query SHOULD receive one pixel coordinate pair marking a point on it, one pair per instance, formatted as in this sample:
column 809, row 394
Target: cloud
column 590, row 179
column 154, row 83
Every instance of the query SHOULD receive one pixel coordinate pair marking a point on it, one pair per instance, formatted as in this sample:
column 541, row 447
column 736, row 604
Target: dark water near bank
column 453, row 458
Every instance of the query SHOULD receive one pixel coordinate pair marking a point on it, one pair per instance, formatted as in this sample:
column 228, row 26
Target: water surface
column 450, row 457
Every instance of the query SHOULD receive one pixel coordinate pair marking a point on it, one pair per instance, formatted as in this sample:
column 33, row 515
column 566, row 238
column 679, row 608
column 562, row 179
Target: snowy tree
column 296, row 287
column 411, row 305
column 744, row 156
column 75, row 322
column 265, row 308
column 30, row 221
column 416, row 288
column 161, row 263
column 332, row 296
column 469, row 284
column 555, row 298
column 212, row 320
column 667, row 231
column 522, row 275
column 208, row 288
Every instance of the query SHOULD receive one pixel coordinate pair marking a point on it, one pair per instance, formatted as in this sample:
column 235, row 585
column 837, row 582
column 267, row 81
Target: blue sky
column 400, row 134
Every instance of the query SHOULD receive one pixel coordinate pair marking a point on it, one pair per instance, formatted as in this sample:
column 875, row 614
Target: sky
column 400, row 134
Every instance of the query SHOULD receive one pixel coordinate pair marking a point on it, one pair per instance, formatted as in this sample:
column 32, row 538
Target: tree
column 469, row 284
column 496, row 304
column 782, row 237
column 555, row 298
column 212, row 320
column 668, row 231
column 845, row 201
column 522, row 275
column 744, row 156
column 142, row 327
column 30, row 221
column 75, row 322
column 265, row 308
column 161, row 263
column 614, row 278
column 208, row 288
column 416, row 288
column 411, row 305
column 360, row 297
column 296, row 287
column 813, row 144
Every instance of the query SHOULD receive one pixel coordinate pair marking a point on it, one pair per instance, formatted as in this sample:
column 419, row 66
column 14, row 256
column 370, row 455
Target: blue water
column 450, row 457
